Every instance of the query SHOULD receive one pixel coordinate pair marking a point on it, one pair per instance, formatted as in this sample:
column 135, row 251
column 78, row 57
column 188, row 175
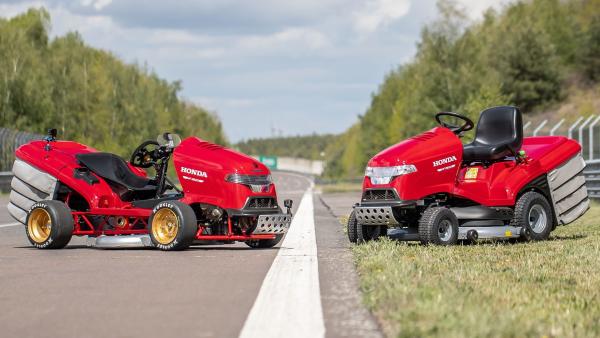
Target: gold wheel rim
column 165, row 226
column 39, row 225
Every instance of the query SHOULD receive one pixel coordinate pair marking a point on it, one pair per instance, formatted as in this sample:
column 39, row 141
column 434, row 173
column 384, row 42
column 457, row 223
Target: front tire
column 264, row 243
column 534, row 214
column 351, row 228
column 360, row 233
column 438, row 225
column 49, row 225
column 172, row 226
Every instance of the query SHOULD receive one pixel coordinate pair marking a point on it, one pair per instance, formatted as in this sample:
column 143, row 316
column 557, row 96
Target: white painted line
column 289, row 301
column 9, row 225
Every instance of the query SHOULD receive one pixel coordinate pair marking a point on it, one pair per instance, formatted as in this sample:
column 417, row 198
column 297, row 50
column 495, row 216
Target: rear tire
column 172, row 226
column 534, row 214
column 264, row 243
column 49, row 225
column 438, row 225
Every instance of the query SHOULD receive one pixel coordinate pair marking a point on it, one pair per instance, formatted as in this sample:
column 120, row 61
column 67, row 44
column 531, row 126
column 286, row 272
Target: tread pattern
column 522, row 211
column 427, row 225
column 351, row 228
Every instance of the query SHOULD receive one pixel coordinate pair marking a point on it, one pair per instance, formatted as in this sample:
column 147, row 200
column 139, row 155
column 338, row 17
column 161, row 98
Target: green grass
column 541, row 289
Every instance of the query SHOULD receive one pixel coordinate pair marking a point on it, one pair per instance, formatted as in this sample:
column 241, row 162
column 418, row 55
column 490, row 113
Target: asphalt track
column 206, row 291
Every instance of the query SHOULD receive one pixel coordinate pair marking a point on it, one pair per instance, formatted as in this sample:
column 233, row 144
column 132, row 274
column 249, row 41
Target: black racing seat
column 499, row 134
column 119, row 176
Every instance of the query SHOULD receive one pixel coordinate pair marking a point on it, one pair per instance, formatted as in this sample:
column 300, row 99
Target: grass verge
column 540, row 289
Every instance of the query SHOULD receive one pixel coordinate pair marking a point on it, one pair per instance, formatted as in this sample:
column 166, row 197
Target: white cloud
column 97, row 4
column 305, row 63
column 377, row 13
column 289, row 39
column 475, row 8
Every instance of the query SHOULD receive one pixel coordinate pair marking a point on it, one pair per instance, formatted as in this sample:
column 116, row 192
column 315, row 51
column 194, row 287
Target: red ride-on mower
column 431, row 188
column 63, row 188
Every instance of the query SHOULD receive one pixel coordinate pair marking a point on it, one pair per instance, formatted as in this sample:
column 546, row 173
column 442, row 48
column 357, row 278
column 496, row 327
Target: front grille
column 379, row 195
column 261, row 203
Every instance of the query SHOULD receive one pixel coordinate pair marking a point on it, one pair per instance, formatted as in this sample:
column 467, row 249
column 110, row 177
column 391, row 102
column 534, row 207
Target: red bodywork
column 437, row 155
column 215, row 161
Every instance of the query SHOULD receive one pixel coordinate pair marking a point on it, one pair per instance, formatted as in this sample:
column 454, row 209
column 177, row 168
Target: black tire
column 528, row 206
column 367, row 233
column 351, row 227
column 187, row 226
column 264, row 243
column 61, row 224
column 438, row 225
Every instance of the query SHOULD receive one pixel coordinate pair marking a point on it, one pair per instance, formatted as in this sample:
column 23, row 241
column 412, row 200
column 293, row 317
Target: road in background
column 206, row 291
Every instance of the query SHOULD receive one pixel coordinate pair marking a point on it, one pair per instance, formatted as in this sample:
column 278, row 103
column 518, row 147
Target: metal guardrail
column 10, row 140
column 592, row 178
column 5, row 178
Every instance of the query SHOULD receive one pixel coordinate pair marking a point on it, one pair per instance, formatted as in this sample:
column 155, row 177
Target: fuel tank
column 205, row 170
column 436, row 155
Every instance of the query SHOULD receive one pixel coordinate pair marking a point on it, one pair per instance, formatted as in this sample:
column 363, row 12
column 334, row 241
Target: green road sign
column 269, row 161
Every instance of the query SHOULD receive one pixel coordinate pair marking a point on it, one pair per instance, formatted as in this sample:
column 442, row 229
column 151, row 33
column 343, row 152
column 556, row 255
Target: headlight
column 384, row 175
column 258, row 183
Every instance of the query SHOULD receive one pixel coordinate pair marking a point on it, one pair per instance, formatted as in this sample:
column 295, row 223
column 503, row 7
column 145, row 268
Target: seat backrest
column 113, row 168
column 500, row 126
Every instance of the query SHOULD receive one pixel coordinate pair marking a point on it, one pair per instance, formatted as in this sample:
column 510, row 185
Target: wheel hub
column 165, row 226
column 537, row 219
column 445, row 230
column 39, row 225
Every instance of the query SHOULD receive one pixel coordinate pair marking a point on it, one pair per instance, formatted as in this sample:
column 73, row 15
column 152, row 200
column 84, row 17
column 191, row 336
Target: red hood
column 418, row 149
column 194, row 151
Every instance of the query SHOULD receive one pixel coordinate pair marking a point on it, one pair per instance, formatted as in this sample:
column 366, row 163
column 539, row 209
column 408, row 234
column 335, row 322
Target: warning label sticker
column 471, row 173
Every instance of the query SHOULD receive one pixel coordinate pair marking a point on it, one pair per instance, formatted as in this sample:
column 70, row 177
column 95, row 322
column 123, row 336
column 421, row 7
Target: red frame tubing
column 98, row 230
column 127, row 229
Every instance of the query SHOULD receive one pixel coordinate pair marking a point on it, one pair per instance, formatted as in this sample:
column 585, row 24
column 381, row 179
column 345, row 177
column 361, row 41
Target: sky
column 265, row 67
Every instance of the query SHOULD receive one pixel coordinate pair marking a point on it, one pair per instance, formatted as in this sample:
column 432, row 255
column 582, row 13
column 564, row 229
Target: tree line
column 526, row 55
column 88, row 94
column 311, row 147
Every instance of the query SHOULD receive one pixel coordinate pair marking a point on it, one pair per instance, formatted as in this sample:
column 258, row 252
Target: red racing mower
column 63, row 188
column 431, row 188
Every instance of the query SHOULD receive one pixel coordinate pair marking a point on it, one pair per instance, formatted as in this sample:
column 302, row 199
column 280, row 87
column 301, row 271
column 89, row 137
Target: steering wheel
column 468, row 125
column 142, row 156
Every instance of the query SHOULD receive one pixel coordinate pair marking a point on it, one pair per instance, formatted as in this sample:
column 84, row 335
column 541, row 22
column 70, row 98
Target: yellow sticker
column 507, row 233
column 471, row 173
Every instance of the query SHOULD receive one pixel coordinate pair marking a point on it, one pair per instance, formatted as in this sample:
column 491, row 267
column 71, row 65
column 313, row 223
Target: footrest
column 273, row 224
column 375, row 216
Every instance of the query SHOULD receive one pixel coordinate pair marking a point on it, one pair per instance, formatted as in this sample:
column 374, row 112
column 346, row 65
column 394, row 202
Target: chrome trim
column 123, row 241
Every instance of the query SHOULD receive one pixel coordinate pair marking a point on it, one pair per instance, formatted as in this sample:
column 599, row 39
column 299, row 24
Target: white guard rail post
column 591, row 138
column 573, row 126
column 536, row 130
column 556, row 126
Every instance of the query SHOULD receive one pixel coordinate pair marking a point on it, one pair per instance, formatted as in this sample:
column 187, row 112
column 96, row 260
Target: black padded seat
column 499, row 134
column 114, row 169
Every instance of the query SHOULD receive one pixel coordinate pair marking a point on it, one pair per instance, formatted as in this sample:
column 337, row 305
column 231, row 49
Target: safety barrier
column 10, row 140
column 5, row 178
column 592, row 178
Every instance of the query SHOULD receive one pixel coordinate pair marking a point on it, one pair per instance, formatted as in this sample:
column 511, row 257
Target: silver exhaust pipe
column 120, row 242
